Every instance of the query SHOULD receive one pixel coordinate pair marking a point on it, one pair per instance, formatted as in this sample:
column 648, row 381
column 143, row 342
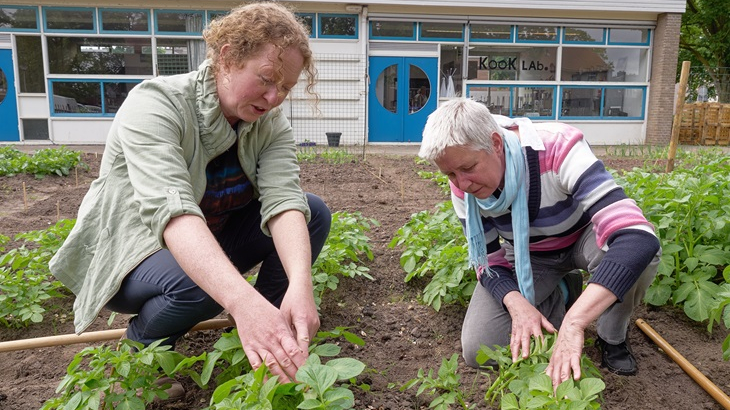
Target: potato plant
column 690, row 210
column 26, row 284
column 341, row 254
column 434, row 247
column 49, row 161
column 518, row 385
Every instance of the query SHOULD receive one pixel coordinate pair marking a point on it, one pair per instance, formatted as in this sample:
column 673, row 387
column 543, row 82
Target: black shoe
column 617, row 358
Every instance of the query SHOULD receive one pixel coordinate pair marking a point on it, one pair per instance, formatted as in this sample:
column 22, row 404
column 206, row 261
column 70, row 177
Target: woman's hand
column 267, row 338
column 300, row 312
column 527, row 322
column 568, row 347
column 566, row 354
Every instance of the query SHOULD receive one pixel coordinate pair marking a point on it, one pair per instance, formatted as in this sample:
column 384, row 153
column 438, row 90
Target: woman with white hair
column 536, row 205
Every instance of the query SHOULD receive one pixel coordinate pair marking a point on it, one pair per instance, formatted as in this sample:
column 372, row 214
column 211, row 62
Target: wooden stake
column 402, row 190
column 92, row 337
column 76, row 171
column 25, row 199
column 58, row 211
column 678, row 106
column 688, row 367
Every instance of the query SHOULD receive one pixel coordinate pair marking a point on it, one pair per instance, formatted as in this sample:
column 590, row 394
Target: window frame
column 94, row 20
column 313, row 31
column 601, row 109
column 602, row 42
column 38, row 21
column 101, row 21
column 414, row 31
column 441, row 39
column 624, row 43
column 338, row 36
column 157, row 31
column 99, row 82
column 520, row 41
column 513, row 35
column 512, row 87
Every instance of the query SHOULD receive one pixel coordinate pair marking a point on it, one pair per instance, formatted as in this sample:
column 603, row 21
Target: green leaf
column 509, row 402
column 346, row 368
column 542, row 383
column 590, row 387
column 538, row 402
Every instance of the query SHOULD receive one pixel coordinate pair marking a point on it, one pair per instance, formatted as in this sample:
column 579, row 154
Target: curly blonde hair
column 248, row 28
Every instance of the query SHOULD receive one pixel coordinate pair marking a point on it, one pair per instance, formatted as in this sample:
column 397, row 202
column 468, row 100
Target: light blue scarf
column 514, row 194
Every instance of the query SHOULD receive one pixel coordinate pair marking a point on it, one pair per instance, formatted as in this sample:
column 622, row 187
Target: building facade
column 608, row 68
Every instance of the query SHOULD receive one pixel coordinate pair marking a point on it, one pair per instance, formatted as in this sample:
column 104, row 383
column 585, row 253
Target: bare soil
column 401, row 334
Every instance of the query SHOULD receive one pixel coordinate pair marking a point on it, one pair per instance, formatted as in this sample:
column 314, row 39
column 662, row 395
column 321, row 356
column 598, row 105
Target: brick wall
column 663, row 77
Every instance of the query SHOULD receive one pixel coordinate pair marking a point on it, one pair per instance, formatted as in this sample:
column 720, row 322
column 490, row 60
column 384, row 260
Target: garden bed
column 401, row 335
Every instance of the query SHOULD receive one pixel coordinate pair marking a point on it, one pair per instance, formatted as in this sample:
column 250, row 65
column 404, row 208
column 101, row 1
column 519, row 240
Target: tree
column 704, row 41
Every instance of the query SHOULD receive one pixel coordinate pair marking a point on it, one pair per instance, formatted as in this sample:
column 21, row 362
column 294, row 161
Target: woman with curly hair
column 199, row 183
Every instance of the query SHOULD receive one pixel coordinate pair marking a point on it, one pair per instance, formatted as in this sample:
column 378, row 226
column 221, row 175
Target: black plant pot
column 333, row 138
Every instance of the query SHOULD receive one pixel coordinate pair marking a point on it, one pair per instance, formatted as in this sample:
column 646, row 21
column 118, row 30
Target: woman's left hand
column 300, row 312
column 567, row 351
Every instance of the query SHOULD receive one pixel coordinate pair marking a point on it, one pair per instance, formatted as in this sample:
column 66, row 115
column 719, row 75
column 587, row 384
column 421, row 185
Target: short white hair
column 458, row 122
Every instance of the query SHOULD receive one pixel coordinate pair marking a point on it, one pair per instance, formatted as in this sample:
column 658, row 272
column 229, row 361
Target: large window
column 604, row 64
column 492, row 63
column 96, row 55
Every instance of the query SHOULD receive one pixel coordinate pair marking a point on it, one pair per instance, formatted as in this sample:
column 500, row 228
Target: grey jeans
column 488, row 323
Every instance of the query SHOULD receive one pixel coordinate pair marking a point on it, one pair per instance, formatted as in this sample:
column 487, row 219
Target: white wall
column 79, row 131
column 612, row 133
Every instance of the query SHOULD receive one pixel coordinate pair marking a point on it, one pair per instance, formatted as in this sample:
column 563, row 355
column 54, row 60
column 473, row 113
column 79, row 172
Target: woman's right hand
column 527, row 322
column 267, row 338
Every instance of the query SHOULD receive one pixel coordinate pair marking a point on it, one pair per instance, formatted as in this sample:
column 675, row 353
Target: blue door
column 8, row 105
column 402, row 95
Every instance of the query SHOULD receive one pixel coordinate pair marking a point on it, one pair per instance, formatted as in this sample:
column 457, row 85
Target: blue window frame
column 19, row 18
column 436, row 31
column 629, row 36
column 392, row 30
column 309, row 21
column 532, row 101
column 337, row 26
column 537, row 34
column 69, row 19
column 584, row 35
column 131, row 21
column 88, row 98
column 214, row 14
column 491, row 33
column 179, row 22
column 591, row 102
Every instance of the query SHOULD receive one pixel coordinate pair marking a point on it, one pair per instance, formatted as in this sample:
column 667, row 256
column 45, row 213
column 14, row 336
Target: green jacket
column 153, row 169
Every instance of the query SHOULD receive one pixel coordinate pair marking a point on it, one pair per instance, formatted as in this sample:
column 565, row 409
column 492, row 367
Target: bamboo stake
column 678, row 107
column 692, row 371
column 92, row 337
column 25, row 199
